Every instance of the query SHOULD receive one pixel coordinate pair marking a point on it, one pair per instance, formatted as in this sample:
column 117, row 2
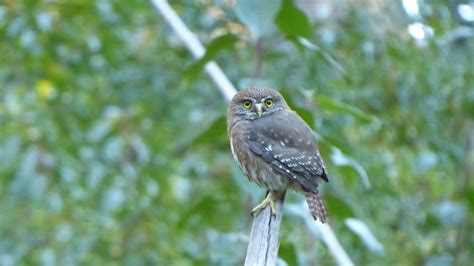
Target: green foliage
column 292, row 21
column 113, row 146
column 212, row 50
column 332, row 105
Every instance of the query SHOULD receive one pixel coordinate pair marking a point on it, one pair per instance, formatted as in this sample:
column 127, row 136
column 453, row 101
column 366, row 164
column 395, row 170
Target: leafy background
column 113, row 147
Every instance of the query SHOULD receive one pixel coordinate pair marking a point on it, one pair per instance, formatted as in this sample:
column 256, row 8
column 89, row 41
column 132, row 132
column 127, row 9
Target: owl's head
column 253, row 103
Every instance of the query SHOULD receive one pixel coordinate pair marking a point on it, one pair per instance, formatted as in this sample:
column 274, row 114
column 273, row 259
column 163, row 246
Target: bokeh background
column 113, row 146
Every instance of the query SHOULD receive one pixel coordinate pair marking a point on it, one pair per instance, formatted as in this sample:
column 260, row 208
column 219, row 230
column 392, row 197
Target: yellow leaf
column 44, row 89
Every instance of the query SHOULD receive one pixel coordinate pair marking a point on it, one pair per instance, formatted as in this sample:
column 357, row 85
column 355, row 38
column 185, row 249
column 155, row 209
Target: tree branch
column 322, row 231
column 195, row 47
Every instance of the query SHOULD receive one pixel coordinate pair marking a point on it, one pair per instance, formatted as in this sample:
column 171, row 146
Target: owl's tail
column 316, row 205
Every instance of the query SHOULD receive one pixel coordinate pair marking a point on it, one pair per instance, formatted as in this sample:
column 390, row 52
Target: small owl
column 275, row 148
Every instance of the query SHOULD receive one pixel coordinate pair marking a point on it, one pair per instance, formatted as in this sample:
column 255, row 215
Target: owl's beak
column 258, row 108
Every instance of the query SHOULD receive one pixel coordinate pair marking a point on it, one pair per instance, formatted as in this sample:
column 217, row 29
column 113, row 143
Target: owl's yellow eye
column 269, row 103
column 247, row 104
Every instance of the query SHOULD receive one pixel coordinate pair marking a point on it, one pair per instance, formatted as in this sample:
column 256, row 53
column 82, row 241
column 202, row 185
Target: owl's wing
column 284, row 141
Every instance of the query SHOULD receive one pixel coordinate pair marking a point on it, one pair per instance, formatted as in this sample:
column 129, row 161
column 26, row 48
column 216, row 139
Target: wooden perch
column 264, row 237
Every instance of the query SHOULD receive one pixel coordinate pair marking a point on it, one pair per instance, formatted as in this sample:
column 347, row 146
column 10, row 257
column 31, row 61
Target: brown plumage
column 275, row 148
column 315, row 205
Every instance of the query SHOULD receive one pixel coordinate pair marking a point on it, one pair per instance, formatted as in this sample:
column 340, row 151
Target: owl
column 275, row 148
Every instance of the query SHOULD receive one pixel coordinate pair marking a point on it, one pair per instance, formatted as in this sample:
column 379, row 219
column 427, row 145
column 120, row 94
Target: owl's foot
column 270, row 199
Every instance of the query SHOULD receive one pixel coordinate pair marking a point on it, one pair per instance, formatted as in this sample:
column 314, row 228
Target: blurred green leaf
column 341, row 159
column 288, row 252
column 196, row 206
column 292, row 22
column 333, row 105
column 216, row 131
column 325, row 55
column 338, row 208
column 213, row 48
column 470, row 199
column 304, row 113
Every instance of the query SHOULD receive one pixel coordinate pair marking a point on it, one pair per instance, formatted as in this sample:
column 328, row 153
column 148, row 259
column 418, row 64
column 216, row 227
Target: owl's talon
column 268, row 200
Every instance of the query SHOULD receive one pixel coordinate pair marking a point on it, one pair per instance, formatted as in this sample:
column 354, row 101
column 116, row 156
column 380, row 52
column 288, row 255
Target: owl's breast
column 254, row 167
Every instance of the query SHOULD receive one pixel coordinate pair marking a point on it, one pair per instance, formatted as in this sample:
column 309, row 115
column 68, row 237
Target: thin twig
column 258, row 57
